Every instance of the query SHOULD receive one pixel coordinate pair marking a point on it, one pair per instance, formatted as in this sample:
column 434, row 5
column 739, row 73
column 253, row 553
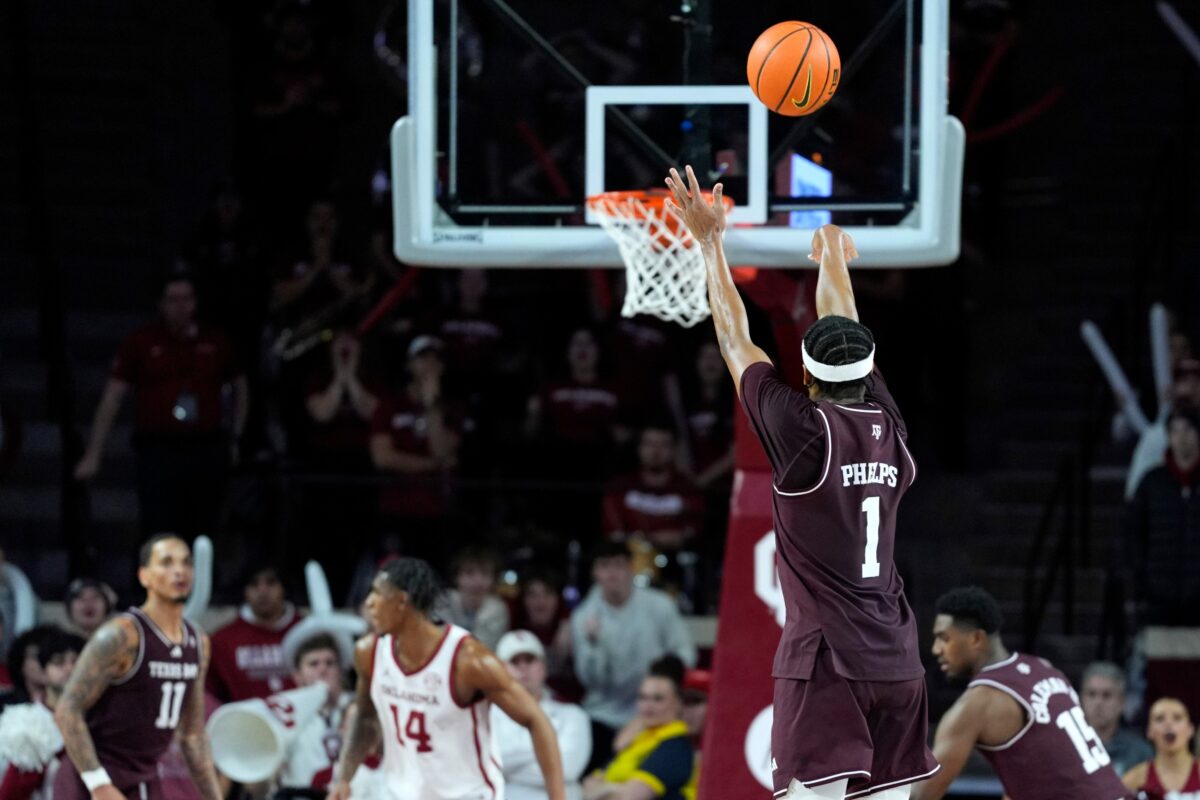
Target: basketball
column 794, row 68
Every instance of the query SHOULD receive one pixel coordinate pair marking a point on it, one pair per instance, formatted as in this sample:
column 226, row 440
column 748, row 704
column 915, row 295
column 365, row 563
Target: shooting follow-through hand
column 704, row 219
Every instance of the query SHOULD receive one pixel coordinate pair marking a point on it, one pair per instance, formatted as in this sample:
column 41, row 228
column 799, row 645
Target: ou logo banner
column 766, row 577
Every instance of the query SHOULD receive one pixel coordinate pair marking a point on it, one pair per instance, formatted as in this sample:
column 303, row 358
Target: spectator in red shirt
column 333, row 434
column 247, row 654
column 644, row 354
column 578, row 418
column 415, row 435
column 473, row 336
column 656, row 503
column 318, row 280
column 708, row 409
column 178, row 370
column 339, row 406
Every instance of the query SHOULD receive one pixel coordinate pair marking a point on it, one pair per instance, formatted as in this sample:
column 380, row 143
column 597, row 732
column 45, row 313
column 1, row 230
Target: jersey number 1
column 870, row 567
column 414, row 729
column 172, row 704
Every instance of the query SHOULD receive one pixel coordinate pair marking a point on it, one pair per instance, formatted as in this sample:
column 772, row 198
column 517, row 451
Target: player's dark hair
column 417, row 579
column 611, row 549
column 147, row 548
column 58, row 642
column 671, row 668
column 835, row 341
column 318, row 641
column 972, row 607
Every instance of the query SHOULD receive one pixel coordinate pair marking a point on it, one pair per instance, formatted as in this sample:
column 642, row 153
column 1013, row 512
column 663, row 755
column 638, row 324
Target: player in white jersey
column 425, row 690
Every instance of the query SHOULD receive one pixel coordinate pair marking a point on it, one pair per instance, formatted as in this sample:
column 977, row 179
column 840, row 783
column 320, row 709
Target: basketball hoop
column 664, row 270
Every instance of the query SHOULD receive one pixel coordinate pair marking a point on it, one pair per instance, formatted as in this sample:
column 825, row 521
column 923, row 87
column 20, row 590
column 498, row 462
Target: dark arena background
column 219, row 318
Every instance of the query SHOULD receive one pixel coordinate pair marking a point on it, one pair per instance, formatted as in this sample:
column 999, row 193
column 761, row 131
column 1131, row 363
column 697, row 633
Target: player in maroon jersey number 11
column 1019, row 711
column 138, row 684
column 424, row 692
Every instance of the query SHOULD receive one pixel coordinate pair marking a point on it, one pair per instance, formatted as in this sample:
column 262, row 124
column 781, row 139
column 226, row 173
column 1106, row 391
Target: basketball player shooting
column 138, row 683
column 424, row 690
column 850, row 704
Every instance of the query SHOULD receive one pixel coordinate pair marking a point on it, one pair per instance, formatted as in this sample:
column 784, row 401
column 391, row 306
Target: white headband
column 840, row 373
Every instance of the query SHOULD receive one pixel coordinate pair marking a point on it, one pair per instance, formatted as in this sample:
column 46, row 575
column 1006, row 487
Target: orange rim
column 651, row 199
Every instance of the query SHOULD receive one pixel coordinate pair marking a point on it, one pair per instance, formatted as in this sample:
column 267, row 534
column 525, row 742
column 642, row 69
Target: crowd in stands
column 625, row 652
column 641, row 718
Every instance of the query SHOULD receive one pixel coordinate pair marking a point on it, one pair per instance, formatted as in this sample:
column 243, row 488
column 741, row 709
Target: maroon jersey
column 1057, row 755
column 1153, row 789
column 134, row 721
column 839, row 472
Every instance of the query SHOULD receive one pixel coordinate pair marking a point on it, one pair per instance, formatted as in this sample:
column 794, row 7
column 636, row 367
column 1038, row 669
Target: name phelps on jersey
column 869, row 472
column 410, row 697
column 174, row 671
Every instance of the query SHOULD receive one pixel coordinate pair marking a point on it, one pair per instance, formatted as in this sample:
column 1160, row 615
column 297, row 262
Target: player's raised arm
column 193, row 739
column 833, row 249
column 706, row 222
column 482, row 671
column 956, row 736
column 108, row 656
column 363, row 725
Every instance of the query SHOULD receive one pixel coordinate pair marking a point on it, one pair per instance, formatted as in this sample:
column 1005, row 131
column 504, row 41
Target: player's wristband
column 93, row 779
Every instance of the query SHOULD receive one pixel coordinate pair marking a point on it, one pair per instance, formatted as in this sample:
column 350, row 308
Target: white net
column 664, row 270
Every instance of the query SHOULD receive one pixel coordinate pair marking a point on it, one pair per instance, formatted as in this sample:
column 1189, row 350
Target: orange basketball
column 794, row 68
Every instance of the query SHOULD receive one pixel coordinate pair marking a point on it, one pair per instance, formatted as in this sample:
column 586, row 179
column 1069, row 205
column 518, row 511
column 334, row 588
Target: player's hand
column 107, row 792
column 833, row 238
column 87, row 467
column 339, row 791
column 704, row 220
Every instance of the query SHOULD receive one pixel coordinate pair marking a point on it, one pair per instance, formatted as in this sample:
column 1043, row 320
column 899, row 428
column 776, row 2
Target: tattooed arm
column 108, row 655
column 193, row 739
column 364, row 730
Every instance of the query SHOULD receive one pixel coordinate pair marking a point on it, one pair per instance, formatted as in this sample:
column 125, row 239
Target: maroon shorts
column 829, row 728
column 69, row 786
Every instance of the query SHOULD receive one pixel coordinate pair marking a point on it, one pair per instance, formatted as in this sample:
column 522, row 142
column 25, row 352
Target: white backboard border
column 426, row 236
